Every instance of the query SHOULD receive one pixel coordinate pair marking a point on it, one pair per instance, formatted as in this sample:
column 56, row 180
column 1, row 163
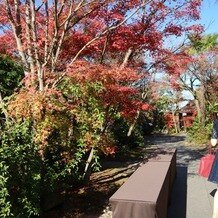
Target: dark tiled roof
column 188, row 108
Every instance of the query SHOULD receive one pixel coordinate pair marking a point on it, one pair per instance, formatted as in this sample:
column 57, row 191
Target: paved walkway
column 192, row 195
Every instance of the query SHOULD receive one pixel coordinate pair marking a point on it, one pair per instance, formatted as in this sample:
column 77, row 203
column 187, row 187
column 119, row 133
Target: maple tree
column 38, row 30
column 49, row 35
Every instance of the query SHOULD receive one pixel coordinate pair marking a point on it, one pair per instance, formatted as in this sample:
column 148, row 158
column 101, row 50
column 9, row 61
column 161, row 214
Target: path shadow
column 177, row 207
column 162, row 139
column 188, row 154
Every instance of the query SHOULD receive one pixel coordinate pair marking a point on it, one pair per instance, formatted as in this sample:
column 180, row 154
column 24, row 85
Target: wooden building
column 182, row 118
column 187, row 115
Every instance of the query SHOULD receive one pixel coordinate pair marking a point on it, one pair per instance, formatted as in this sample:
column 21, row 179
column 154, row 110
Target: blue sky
column 209, row 16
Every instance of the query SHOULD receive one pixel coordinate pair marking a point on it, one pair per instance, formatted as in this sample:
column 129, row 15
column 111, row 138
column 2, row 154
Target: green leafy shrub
column 119, row 133
column 199, row 134
column 45, row 148
column 5, row 204
column 20, row 172
column 11, row 74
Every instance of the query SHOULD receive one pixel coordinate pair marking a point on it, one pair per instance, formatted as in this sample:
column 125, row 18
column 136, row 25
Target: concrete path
column 192, row 195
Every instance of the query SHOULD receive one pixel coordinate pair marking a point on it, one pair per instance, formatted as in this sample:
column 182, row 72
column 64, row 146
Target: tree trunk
column 175, row 122
column 4, row 111
column 198, row 109
column 133, row 123
column 41, row 79
column 201, row 105
column 88, row 168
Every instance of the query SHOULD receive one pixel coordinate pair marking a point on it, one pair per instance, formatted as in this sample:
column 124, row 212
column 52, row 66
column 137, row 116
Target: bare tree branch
column 99, row 36
column 17, row 31
column 29, row 38
column 107, row 30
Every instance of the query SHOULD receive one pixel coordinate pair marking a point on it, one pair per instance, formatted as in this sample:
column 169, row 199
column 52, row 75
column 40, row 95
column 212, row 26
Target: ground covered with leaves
column 91, row 200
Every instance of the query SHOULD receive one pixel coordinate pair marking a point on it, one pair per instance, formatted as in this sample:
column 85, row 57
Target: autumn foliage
column 85, row 85
column 86, row 63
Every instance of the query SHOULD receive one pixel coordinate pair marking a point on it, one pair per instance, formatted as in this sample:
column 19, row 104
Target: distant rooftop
column 188, row 108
